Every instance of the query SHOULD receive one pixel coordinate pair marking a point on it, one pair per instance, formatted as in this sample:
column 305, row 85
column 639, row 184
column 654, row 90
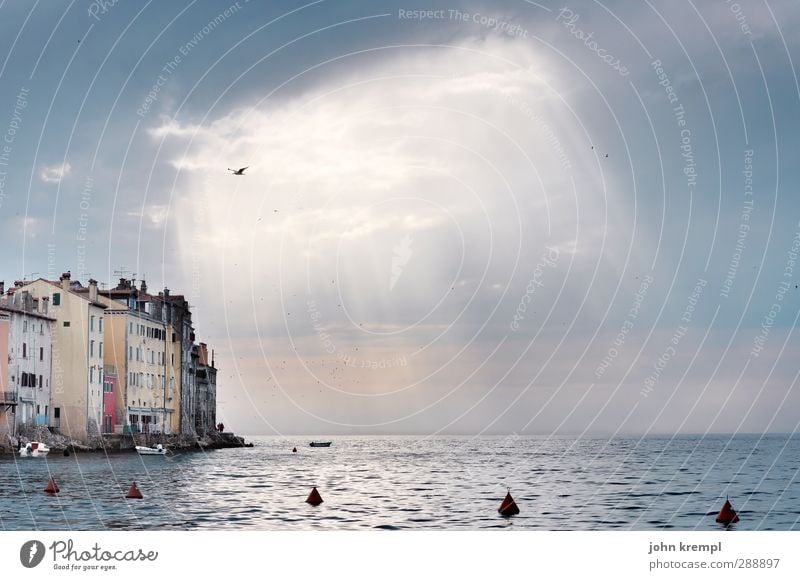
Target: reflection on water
column 411, row 483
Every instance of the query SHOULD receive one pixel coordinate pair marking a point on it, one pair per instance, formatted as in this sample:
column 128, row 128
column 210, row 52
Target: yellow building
column 138, row 346
column 77, row 355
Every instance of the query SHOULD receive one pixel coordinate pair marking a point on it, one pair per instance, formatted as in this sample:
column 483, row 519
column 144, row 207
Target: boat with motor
column 34, row 449
column 155, row 450
column 320, row 444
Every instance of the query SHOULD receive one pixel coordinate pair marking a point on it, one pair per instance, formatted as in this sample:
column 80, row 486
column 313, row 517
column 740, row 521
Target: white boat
column 34, row 449
column 156, row 450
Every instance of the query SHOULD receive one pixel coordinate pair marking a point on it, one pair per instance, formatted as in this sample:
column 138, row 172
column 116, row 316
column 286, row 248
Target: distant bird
column 237, row 171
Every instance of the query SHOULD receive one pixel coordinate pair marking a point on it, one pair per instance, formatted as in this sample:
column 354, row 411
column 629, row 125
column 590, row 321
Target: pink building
column 109, row 401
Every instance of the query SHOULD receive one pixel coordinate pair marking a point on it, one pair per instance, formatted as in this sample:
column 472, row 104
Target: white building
column 30, row 351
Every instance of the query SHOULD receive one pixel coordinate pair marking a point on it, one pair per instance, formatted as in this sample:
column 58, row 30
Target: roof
column 7, row 308
column 71, row 291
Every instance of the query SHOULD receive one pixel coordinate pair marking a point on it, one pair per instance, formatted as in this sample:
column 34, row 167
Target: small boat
column 320, row 444
column 155, row 450
column 34, row 449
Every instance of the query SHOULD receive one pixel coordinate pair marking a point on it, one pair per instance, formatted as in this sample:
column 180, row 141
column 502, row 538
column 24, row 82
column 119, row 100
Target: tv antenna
column 123, row 272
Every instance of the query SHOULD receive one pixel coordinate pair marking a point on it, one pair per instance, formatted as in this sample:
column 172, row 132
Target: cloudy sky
column 464, row 217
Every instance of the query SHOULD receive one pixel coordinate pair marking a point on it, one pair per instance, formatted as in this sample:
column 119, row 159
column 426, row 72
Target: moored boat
column 34, row 449
column 156, row 450
column 320, row 444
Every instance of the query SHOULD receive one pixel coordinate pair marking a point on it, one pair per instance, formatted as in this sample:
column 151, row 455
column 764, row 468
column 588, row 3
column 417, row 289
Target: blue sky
column 430, row 236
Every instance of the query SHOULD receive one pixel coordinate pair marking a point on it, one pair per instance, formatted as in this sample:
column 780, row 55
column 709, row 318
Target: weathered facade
column 146, row 393
column 29, row 354
column 205, row 392
column 87, row 362
column 8, row 398
column 77, row 355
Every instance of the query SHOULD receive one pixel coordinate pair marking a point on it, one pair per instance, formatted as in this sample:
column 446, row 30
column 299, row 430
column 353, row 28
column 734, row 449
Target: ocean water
column 407, row 483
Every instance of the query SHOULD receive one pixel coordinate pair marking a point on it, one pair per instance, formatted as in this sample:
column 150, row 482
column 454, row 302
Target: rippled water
column 413, row 483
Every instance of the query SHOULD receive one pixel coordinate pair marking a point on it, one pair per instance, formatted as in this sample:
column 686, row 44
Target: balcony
column 8, row 398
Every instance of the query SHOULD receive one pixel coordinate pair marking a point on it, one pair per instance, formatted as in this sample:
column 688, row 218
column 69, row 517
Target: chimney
column 92, row 290
column 65, row 281
column 143, row 287
column 166, row 293
column 2, row 287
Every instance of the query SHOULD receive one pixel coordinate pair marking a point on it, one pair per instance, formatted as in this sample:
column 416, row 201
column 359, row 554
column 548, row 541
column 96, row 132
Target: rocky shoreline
column 60, row 443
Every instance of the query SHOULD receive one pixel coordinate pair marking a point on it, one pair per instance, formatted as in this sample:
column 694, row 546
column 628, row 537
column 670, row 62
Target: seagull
column 237, row 171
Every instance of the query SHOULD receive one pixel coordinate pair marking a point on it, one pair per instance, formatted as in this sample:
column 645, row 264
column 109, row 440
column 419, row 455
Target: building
column 178, row 316
column 28, row 358
column 90, row 362
column 8, row 398
column 77, row 354
column 206, row 391
column 109, row 398
column 146, row 395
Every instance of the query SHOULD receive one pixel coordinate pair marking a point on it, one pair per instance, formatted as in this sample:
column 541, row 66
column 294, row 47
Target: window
column 91, row 348
column 100, row 325
column 41, row 353
column 101, row 350
column 56, row 300
column 57, row 413
column 130, row 353
column 24, row 326
column 91, row 374
column 24, row 350
column 91, row 323
column 130, row 328
column 66, row 323
column 41, row 382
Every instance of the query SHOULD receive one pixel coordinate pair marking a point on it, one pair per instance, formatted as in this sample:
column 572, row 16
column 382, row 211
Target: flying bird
column 237, row 171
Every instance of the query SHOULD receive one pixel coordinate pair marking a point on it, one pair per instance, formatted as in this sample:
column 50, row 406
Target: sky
column 468, row 217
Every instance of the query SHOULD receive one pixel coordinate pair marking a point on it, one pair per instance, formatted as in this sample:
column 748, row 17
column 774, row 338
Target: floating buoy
column 727, row 515
column 134, row 493
column 294, row 449
column 314, row 498
column 52, row 487
column 509, row 506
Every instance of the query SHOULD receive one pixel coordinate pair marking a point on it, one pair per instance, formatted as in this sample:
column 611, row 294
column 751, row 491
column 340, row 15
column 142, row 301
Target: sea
column 417, row 483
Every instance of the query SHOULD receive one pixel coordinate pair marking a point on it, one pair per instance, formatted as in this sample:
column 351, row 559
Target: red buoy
column 509, row 506
column 134, row 493
column 294, row 449
column 314, row 498
column 727, row 515
column 52, row 487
